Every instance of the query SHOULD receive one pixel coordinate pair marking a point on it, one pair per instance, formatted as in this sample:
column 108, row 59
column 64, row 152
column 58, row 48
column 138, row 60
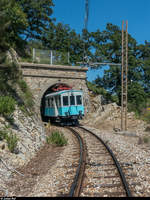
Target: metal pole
column 122, row 75
column 33, row 54
column 85, row 29
column 97, row 63
column 68, row 57
column 126, row 74
column 51, row 58
column 86, row 14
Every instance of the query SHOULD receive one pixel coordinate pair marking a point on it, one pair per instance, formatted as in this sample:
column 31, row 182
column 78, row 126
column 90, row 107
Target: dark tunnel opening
column 54, row 88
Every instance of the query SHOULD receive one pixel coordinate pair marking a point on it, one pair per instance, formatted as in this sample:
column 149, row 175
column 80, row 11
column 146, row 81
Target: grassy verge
column 10, row 138
column 13, row 91
column 57, row 138
column 27, row 95
column 7, row 105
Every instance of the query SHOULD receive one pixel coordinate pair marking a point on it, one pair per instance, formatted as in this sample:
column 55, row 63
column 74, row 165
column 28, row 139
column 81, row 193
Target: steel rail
column 76, row 185
column 122, row 176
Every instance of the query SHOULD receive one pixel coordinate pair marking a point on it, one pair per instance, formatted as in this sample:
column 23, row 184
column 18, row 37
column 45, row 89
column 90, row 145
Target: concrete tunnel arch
column 49, row 90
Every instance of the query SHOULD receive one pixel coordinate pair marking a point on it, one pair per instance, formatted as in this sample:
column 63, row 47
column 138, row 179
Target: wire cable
column 85, row 57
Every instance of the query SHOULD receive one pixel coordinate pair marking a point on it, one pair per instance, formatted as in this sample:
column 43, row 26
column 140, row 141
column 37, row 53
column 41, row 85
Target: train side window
column 58, row 101
column 61, row 101
column 79, row 99
column 52, row 104
column 65, row 101
column 72, row 100
column 46, row 102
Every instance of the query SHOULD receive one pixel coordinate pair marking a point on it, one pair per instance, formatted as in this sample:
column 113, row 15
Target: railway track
column 98, row 173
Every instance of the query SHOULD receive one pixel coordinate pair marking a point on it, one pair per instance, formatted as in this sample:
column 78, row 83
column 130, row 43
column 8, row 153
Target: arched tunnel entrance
column 54, row 88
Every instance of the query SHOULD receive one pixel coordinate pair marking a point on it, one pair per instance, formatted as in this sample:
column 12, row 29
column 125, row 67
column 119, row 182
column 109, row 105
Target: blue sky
column 101, row 12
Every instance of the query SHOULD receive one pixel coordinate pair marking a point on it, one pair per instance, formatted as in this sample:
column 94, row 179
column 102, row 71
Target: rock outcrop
column 108, row 116
column 29, row 130
column 31, row 136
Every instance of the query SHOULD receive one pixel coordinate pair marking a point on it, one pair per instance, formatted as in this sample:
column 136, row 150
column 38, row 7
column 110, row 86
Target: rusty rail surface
column 77, row 183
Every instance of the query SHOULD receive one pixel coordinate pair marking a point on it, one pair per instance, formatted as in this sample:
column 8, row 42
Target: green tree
column 22, row 20
column 38, row 17
column 13, row 21
column 61, row 38
column 4, row 23
column 144, row 55
column 107, row 46
column 137, row 98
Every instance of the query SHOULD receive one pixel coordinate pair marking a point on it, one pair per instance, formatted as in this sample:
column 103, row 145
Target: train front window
column 72, row 100
column 58, row 101
column 79, row 99
column 51, row 102
column 65, row 101
column 48, row 101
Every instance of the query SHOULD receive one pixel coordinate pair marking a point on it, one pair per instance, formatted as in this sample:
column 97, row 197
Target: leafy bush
column 3, row 134
column 11, row 142
column 57, row 138
column 27, row 95
column 136, row 98
column 29, row 99
column 98, row 90
column 10, row 79
column 11, row 139
column 147, row 129
column 7, row 105
column 146, row 139
column 22, row 85
column 146, row 116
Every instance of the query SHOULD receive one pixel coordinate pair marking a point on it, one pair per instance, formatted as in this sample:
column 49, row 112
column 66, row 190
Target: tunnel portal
column 43, row 79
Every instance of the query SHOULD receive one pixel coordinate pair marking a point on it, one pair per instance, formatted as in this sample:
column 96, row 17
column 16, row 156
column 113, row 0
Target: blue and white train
column 64, row 106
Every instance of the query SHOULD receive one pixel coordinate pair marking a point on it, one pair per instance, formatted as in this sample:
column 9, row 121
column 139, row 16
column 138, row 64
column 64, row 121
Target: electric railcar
column 64, row 106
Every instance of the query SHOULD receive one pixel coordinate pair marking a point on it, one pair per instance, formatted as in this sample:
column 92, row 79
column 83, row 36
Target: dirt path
column 34, row 171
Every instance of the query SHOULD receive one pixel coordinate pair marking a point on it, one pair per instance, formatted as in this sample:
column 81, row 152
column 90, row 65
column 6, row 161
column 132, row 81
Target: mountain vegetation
column 26, row 24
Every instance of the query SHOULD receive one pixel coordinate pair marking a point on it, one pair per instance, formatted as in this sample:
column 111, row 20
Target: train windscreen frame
column 65, row 101
column 79, row 99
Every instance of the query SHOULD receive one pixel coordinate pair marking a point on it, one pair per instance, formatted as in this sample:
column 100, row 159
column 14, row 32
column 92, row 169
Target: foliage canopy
column 28, row 23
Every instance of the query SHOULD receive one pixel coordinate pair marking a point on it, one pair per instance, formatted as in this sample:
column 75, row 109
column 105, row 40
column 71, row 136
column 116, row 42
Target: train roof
column 61, row 92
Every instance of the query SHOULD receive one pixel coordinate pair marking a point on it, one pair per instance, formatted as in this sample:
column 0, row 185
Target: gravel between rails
column 128, row 151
